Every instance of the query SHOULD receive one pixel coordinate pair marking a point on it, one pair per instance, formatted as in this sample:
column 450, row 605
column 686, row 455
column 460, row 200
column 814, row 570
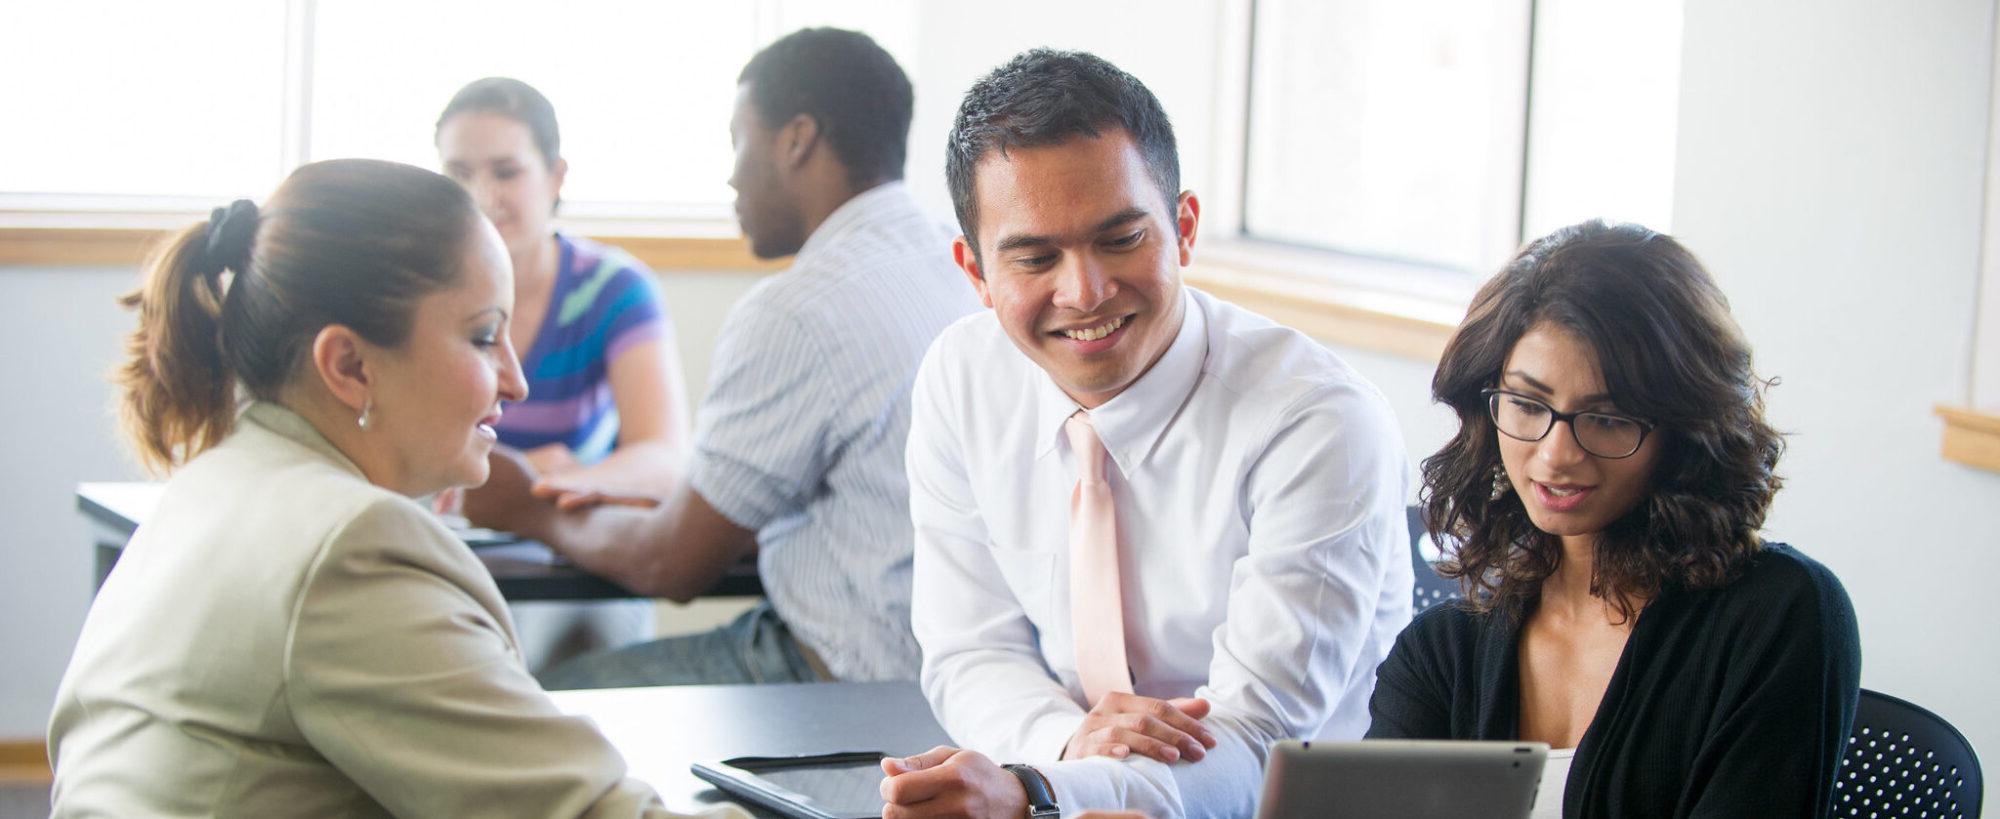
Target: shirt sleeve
column 636, row 313
column 1324, row 502
column 1411, row 699
column 764, row 438
column 982, row 665
column 1787, row 708
column 399, row 675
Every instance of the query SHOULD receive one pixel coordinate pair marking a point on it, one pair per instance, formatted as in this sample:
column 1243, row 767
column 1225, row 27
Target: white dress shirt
column 1259, row 487
column 801, row 436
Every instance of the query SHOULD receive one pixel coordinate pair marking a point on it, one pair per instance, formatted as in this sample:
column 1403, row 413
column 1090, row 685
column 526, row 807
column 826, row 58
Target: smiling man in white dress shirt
column 1253, row 526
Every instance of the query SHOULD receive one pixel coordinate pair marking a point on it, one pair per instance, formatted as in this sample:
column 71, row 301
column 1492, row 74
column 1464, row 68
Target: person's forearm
column 657, row 552
column 1226, row 782
column 647, row 468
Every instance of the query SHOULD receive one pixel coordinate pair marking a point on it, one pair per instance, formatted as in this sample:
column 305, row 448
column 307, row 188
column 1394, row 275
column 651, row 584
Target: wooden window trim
column 1408, row 326
column 1971, row 437
column 125, row 246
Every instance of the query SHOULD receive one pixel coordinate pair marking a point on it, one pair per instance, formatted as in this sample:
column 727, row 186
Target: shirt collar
column 1131, row 423
column 291, row 426
column 884, row 197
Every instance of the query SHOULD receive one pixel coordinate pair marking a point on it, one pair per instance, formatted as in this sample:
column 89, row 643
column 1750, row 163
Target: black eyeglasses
column 1603, row 434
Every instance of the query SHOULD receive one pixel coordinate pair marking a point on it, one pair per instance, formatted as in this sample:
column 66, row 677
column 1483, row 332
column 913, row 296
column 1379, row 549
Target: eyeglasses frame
column 1645, row 427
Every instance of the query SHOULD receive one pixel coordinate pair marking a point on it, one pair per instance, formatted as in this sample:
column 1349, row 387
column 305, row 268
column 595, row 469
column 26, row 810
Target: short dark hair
column 1044, row 97
column 1671, row 354
column 510, row 98
column 849, row 85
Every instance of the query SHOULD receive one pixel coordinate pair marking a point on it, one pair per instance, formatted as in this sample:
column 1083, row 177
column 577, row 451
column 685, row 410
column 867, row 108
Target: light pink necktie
column 1096, row 610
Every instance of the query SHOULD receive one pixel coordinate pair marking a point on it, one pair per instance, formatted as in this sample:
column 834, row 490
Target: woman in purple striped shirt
column 607, row 404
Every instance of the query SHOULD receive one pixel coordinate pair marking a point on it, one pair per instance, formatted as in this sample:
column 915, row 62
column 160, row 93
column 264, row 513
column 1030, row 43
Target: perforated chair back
column 1431, row 589
column 1904, row 760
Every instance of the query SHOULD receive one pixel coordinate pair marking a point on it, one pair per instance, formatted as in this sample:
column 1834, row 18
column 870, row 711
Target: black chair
column 1904, row 760
column 1431, row 589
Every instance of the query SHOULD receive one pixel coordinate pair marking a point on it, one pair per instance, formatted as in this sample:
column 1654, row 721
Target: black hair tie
column 229, row 232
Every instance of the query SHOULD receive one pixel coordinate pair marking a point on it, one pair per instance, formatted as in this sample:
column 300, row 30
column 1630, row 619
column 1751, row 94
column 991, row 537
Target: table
column 661, row 731
column 524, row 569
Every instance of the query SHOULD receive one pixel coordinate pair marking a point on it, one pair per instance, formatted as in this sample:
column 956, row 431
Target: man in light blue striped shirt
column 799, row 442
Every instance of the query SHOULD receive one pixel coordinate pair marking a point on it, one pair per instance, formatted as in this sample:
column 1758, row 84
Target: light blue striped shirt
column 801, row 435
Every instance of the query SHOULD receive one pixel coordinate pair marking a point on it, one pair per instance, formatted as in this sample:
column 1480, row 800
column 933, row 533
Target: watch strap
column 1041, row 796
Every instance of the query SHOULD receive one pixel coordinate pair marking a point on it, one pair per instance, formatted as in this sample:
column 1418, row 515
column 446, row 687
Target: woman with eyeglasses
column 1601, row 504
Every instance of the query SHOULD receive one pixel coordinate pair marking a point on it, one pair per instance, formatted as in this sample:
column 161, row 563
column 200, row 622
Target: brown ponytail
column 179, row 395
column 235, row 303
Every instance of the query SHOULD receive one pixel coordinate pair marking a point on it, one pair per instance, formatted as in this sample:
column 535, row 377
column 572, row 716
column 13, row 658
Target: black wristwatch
column 1041, row 797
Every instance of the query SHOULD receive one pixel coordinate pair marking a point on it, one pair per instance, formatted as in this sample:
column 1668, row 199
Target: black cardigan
column 1735, row 701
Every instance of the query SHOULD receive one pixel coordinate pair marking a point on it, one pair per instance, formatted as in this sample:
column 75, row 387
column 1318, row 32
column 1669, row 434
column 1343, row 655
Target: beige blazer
column 284, row 638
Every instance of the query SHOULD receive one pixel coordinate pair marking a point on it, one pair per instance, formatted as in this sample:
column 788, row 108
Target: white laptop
column 1406, row 779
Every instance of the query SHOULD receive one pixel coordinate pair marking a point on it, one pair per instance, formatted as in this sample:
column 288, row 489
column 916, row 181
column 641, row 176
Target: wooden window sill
column 24, row 761
column 1406, row 325
column 128, row 241
column 1971, row 437
column 1412, row 325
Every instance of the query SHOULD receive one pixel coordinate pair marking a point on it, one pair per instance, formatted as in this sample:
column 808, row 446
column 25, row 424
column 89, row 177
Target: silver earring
column 367, row 405
column 1500, row 484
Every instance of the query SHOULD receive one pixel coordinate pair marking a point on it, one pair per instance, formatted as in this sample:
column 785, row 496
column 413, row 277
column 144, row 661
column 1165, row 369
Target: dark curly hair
column 1671, row 354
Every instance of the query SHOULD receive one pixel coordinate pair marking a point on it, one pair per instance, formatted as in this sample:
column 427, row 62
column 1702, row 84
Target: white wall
column 1831, row 169
column 61, row 331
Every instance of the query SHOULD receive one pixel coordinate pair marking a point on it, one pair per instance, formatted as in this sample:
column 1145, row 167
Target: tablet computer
column 846, row 785
column 1410, row 779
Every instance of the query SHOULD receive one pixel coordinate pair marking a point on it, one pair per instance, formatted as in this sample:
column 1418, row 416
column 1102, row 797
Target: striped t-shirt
column 603, row 304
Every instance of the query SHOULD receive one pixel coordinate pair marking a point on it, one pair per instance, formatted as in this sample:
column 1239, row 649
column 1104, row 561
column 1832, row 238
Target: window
column 194, row 106
column 1386, row 128
column 229, row 95
column 1431, row 137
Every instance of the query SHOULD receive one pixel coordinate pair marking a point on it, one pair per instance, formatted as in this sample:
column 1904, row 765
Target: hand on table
column 1166, row 730
column 946, row 781
column 569, row 497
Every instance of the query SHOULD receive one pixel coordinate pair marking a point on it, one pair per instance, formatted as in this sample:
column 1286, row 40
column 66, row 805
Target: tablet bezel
column 1379, row 777
column 738, row 777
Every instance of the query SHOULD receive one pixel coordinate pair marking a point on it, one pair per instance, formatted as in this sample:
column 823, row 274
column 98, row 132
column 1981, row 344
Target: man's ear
column 967, row 258
column 1187, row 217
column 796, row 140
column 339, row 358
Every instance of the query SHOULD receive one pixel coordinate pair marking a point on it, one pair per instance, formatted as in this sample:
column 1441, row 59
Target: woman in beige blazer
column 290, row 634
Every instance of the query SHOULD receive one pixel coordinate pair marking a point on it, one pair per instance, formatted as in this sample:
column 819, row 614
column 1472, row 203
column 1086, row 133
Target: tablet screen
column 841, row 789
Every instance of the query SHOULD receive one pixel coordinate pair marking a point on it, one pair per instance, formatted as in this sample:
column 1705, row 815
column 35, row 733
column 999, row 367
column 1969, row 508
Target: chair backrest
column 1430, row 589
column 1904, row 760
